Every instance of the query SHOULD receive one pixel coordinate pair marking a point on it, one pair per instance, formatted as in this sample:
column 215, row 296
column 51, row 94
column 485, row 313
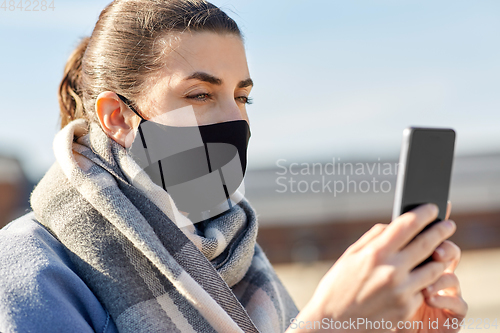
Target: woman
column 112, row 245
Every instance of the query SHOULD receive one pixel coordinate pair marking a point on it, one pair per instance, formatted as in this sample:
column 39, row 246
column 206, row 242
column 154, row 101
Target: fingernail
column 440, row 252
column 452, row 224
column 448, row 224
column 429, row 289
column 435, row 208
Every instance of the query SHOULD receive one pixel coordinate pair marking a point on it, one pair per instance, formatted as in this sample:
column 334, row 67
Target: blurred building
column 14, row 190
column 314, row 211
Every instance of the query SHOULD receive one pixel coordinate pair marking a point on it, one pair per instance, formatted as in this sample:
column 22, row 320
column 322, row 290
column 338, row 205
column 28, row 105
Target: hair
column 127, row 49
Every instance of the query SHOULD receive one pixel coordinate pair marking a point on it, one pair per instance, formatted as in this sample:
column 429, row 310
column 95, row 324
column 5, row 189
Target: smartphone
column 424, row 171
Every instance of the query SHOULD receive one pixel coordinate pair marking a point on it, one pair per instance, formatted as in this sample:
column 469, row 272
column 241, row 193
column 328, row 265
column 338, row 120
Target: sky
column 333, row 79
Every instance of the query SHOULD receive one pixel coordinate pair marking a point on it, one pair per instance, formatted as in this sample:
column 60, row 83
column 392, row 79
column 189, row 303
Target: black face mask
column 199, row 166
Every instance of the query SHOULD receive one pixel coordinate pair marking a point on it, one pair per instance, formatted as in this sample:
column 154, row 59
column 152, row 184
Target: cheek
column 130, row 137
column 183, row 116
column 208, row 114
column 173, row 110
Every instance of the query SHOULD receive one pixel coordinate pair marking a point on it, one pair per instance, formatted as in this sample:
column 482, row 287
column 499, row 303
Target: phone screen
column 428, row 169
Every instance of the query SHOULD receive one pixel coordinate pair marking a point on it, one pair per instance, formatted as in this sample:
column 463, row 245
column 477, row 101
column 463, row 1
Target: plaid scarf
column 151, row 268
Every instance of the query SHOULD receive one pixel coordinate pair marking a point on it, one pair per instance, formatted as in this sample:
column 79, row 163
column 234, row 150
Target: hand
column 443, row 300
column 374, row 279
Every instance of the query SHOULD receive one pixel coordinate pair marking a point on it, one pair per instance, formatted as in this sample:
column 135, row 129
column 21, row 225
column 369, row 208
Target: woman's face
column 205, row 70
column 208, row 71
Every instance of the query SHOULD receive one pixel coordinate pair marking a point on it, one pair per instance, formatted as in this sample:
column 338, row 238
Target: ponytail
column 128, row 50
column 70, row 95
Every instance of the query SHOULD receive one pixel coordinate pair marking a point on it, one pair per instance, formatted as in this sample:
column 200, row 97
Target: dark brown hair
column 125, row 50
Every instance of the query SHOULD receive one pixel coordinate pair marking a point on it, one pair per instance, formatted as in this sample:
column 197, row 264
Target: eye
column 244, row 99
column 200, row 97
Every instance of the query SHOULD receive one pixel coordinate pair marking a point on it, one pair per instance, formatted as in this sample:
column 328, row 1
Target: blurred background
column 336, row 82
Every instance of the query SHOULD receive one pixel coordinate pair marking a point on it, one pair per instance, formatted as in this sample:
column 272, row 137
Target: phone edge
column 403, row 159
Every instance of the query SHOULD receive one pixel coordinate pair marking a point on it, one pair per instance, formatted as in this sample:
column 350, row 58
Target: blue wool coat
column 39, row 290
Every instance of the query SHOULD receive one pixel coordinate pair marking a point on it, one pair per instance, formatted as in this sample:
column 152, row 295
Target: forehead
column 222, row 55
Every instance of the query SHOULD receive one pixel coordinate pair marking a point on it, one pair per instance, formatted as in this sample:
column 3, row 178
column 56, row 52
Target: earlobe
column 113, row 117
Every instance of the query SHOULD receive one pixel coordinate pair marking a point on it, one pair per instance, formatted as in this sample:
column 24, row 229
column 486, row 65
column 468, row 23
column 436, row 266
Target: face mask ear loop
column 127, row 103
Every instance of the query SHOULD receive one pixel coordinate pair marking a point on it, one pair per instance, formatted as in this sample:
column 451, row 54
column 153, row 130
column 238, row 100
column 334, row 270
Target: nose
column 231, row 110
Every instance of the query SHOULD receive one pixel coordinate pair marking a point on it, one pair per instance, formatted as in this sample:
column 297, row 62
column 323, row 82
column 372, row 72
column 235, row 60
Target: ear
column 116, row 119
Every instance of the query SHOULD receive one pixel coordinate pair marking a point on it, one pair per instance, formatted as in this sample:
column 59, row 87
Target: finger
column 456, row 305
column 367, row 237
column 448, row 251
column 415, row 303
column 404, row 228
column 447, row 281
column 425, row 244
column 426, row 275
column 448, row 210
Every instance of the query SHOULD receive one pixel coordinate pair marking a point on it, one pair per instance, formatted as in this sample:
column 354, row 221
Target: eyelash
column 245, row 99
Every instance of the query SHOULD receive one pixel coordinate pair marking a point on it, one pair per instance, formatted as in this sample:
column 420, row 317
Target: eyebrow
column 202, row 76
column 245, row 83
